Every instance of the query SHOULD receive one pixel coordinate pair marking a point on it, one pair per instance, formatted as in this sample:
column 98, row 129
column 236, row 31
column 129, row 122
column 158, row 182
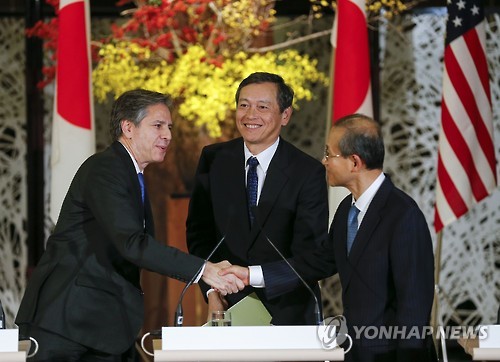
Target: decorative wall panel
column 411, row 54
column 13, row 198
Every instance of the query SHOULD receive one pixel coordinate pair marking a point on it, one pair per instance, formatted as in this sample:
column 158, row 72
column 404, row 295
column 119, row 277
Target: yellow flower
column 207, row 92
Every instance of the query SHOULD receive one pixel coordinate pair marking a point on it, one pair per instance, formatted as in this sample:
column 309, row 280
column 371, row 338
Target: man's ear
column 285, row 116
column 126, row 127
column 357, row 161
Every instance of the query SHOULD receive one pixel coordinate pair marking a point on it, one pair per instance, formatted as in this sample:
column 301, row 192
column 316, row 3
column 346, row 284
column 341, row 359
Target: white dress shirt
column 366, row 197
column 265, row 157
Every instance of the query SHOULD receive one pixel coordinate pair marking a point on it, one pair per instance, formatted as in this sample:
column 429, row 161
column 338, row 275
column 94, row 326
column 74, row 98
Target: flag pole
column 435, row 304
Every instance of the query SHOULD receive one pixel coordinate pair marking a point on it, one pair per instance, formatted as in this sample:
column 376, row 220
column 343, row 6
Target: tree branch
column 289, row 42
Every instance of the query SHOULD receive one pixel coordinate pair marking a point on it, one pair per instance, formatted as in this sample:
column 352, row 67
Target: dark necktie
column 140, row 176
column 252, row 185
column 352, row 226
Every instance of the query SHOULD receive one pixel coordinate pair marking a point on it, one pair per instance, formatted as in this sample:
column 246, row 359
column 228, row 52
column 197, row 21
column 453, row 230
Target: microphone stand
column 2, row 317
column 317, row 310
column 179, row 313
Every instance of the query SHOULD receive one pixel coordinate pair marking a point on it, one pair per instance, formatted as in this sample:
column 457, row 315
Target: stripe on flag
column 352, row 83
column 466, row 170
column 73, row 133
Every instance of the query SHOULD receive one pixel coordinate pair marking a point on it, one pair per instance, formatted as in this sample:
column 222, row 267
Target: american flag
column 466, row 170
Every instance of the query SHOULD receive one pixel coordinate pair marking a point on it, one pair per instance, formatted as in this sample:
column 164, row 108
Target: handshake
column 225, row 278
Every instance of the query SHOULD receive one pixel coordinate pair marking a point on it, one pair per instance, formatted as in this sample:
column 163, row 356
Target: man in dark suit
column 387, row 276
column 386, row 268
column 84, row 301
column 289, row 204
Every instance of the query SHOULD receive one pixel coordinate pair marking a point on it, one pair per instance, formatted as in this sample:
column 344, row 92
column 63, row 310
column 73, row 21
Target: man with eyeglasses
column 382, row 247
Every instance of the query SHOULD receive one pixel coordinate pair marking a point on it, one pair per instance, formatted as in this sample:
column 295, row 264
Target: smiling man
column 256, row 187
column 84, row 300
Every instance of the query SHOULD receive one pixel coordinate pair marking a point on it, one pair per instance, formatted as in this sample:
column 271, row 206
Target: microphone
column 2, row 317
column 179, row 313
column 317, row 309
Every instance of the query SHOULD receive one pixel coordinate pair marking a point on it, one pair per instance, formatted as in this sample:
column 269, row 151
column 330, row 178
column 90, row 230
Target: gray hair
column 132, row 106
column 363, row 137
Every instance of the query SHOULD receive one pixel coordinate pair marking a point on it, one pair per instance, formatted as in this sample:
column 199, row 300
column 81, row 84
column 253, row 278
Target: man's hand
column 224, row 284
column 240, row 272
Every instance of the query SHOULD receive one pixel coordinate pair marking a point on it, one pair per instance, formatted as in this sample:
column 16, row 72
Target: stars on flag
column 457, row 21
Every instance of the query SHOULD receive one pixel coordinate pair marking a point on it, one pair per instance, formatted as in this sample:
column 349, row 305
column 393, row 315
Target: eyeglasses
column 327, row 155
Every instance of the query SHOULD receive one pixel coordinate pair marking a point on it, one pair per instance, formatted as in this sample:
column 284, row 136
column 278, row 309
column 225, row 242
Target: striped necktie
column 252, row 185
column 352, row 226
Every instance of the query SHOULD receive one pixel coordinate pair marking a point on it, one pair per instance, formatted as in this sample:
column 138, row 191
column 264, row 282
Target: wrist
column 211, row 290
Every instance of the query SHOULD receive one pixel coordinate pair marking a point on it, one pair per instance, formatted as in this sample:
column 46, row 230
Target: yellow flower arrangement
column 207, row 91
column 376, row 9
column 197, row 53
column 199, row 50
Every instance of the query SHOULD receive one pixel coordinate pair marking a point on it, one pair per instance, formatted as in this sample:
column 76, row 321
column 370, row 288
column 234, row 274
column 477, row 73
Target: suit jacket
column 86, row 284
column 292, row 212
column 388, row 277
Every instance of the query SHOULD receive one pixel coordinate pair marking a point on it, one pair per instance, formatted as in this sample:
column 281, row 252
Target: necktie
column 252, row 185
column 352, row 226
column 140, row 176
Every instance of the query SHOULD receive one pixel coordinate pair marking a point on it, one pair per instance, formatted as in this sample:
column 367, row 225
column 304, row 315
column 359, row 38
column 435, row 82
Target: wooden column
column 195, row 308
column 35, row 141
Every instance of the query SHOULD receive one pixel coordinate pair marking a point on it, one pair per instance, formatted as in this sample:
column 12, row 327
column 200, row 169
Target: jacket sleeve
column 111, row 195
column 412, row 270
column 311, row 247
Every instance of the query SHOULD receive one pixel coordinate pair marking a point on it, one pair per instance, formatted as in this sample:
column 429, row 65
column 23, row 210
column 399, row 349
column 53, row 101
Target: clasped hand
column 239, row 274
column 224, row 277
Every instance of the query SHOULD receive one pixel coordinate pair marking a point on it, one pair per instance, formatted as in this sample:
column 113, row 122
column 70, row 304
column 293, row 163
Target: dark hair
column 132, row 105
column 285, row 92
column 363, row 137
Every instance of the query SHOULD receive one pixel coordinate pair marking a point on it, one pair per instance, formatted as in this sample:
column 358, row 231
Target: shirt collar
column 263, row 157
column 366, row 197
column 136, row 165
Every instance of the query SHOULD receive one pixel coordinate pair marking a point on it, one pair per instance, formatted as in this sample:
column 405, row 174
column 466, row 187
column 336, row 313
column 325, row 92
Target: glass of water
column 221, row 318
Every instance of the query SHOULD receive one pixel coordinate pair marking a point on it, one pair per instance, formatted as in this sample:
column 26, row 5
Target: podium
column 471, row 347
column 254, row 343
column 12, row 356
column 486, row 354
column 485, row 347
column 12, row 350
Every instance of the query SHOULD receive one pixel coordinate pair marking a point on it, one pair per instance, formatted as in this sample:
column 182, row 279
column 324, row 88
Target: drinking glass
column 221, row 318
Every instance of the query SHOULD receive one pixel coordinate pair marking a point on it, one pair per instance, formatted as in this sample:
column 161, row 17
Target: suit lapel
column 276, row 178
column 133, row 180
column 229, row 187
column 367, row 227
column 131, row 173
column 338, row 232
column 230, row 167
